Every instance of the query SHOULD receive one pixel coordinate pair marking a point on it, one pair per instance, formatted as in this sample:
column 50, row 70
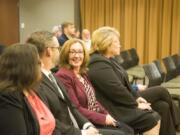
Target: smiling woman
column 72, row 73
column 74, row 55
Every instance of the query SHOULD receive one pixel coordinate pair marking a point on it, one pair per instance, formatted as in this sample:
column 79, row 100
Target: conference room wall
column 43, row 15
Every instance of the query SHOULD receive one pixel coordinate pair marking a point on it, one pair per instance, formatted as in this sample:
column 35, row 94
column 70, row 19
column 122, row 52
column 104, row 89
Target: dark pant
column 162, row 103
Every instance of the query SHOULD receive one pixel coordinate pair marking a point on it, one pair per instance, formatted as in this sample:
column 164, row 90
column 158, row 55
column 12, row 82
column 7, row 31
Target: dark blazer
column 113, row 89
column 58, row 106
column 78, row 96
column 16, row 115
column 62, row 39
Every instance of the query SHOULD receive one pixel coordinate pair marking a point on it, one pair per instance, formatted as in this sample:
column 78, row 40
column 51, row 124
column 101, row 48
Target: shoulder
column 14, row 98
column 63, row 37
column 64, row 73
column 99, row 61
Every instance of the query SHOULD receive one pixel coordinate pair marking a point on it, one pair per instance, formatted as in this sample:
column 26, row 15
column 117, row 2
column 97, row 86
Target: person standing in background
column 86, row 37
column 68, row 32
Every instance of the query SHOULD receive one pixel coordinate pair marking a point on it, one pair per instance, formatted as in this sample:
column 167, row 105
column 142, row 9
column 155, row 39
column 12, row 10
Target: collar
column 46, row 72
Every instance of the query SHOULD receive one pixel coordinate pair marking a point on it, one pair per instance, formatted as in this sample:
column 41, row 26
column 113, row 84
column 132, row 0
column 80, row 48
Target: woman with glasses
column 72, row 72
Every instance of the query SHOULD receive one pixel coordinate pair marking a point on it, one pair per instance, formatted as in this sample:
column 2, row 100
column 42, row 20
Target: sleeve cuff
column 87, row 125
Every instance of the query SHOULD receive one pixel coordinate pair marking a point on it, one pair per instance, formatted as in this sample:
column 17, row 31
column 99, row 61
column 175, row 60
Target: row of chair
column 163, row 72
column 166, row 73
column 169, row 74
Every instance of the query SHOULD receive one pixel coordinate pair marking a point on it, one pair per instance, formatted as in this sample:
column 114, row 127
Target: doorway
column 9, row 22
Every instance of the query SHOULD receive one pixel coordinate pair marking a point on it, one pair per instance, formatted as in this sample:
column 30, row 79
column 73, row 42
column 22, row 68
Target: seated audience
column 68, row 119
column 68, row 32
column 86, row 37
column 73, row 61
column 21, row 110
column 112, row 88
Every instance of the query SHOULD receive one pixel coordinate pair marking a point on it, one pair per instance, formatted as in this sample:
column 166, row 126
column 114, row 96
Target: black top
column 113, row 89
column 62, row 39
column 16, row 115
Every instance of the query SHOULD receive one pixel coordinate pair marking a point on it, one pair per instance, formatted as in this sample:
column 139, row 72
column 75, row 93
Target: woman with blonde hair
column 113, row 90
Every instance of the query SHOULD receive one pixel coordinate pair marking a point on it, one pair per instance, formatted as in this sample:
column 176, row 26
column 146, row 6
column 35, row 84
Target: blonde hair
column 102, row 38
column 64, row 55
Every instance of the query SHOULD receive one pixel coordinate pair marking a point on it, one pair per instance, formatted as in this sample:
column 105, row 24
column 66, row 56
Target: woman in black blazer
column 112, row 88
column 19, row 73
column 115, row 92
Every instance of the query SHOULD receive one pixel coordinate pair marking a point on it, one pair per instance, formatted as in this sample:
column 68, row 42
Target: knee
column 163, row 92
column 161, row 106
column 162, row 89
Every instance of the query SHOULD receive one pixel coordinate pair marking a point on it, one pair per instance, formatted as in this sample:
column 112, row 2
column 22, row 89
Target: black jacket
column 58, row 106
column 113, row 89
column 16, row 116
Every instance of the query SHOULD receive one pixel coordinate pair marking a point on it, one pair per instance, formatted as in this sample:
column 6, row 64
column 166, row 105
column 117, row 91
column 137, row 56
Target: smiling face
column 76, row 55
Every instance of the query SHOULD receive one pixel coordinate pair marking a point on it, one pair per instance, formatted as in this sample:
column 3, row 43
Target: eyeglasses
column 73, row 52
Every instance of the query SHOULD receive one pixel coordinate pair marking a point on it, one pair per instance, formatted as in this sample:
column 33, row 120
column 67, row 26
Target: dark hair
column 65, row 25
column 41, row 39
column 19, row 67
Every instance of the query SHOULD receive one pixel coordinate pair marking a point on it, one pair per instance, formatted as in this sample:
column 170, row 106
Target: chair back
column 128, row 61
column 152, row 74
column 134, row 56
column 160, row 69
column 170, row 68
column 176, row 59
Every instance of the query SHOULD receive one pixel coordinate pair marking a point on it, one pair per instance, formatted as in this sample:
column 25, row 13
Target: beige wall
column 43, row 15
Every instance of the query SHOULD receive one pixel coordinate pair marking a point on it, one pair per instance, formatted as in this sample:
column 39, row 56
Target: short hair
column 41, row 39
column 64, row 55
column 56, row 28
column 85, row 30
column 19, row 67
column 102, row 38
column 65, row 25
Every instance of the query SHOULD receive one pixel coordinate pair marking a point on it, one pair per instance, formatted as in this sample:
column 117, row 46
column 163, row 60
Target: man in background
column 68, row 31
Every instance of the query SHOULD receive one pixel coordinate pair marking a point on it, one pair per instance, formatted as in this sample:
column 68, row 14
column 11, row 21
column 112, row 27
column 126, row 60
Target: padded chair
column 160, row 69
column 155, row 79
column 2, row 47
column 170, row 68
column 134, row 56
column 128, row 61
column 176, row 59
column 131, row 67
column 152, row 74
